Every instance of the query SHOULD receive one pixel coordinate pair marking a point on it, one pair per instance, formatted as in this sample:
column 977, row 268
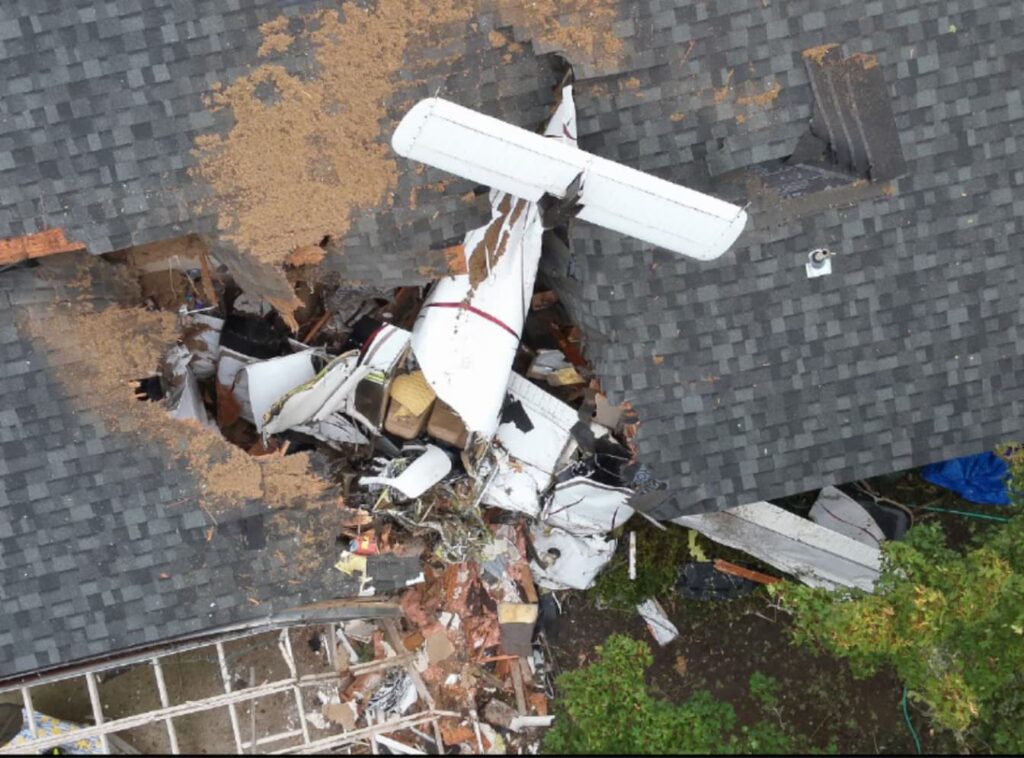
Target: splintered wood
column 38, row 245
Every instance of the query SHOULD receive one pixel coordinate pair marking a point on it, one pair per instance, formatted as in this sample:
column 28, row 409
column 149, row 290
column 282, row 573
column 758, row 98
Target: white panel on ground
column 492, row 152
column 813, row 554
column 836, row 510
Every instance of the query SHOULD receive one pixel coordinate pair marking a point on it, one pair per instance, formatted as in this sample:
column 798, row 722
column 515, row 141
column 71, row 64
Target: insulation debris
column 661, row 628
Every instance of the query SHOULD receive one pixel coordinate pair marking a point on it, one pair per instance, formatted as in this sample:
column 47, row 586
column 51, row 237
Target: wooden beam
column 97, row 709
column 165, row 702
column 755, row 576
column 37, row 245
column 206, row 279
column 225, row 677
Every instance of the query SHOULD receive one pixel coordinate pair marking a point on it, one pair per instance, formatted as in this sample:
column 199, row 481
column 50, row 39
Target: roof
column 104, row 545
column 752, row 380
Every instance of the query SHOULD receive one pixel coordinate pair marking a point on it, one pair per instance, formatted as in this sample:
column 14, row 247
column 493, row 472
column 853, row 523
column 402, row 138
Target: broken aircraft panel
column 530, row 443
column 584, row 507
column 489, row 151
column 315, row 400
column 565, row 561
column 419, row 476
column 269, row 380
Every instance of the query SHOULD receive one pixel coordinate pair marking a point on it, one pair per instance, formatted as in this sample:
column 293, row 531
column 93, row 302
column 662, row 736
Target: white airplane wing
column 491, row 152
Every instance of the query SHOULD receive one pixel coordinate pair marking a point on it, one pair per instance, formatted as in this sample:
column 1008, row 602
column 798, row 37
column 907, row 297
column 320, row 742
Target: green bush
column 951, row 624
column 605, row 708
column 659, row 554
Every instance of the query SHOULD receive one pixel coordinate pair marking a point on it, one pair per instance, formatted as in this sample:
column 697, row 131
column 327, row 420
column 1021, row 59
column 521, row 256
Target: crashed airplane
column 450, row 377
column 470, row 326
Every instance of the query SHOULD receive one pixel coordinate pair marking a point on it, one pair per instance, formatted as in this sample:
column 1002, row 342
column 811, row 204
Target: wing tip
column 403, row 141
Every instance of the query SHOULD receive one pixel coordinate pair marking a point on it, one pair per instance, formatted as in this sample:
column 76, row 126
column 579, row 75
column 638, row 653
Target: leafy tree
column 951, row 624
column 605, row 708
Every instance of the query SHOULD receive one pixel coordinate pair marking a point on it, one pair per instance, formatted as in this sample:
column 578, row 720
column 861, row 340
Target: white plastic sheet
column 419, row 476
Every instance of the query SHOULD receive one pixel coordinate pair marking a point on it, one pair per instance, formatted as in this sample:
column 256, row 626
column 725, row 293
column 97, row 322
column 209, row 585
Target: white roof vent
column 819, row 262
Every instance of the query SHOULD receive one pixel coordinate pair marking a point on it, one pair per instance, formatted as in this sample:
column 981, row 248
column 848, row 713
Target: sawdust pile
column 761, row 99
column 581, row 29
column 817, row 54
column 110, row 348
column 305, row 152
column 276, row 38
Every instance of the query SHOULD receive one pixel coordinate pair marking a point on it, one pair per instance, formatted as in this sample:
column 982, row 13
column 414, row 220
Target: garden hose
column 906, row 715
column 984, row 516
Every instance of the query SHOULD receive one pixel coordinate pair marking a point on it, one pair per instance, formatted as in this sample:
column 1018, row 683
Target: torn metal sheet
column 583, row 507
column 382, row 353
column 817, row 556
column 269, row 380
column 466, row 335
column 231, row 376
column 419, row 476
column 530, row 444
column 184, row 400
column 385, row 348
column 661, row 628
column 836, row 510
column 335, row 430
column 327, row 392
column 491, row 152
column 202, row 340
column 568, row 561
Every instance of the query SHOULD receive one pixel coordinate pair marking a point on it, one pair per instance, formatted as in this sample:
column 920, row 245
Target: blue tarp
column 977, row 478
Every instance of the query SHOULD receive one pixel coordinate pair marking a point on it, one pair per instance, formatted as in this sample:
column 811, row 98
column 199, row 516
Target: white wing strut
column 491, row 152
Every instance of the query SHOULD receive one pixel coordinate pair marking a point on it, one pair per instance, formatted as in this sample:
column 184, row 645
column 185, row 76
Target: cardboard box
column 445, row 425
